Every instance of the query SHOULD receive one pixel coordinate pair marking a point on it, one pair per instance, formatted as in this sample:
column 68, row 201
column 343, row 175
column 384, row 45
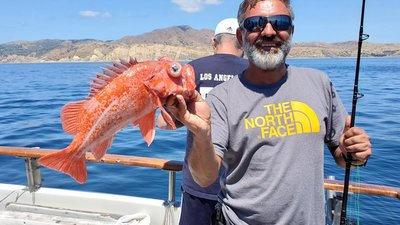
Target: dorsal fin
column 109, row 73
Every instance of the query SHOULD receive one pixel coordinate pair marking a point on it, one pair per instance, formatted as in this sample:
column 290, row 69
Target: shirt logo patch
column 284, row 119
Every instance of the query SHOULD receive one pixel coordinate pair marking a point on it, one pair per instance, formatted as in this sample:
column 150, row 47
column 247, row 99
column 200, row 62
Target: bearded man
column 268, row 127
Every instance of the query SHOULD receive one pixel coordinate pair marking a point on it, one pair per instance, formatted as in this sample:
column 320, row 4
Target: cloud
column 194, row 5
column 89, row 13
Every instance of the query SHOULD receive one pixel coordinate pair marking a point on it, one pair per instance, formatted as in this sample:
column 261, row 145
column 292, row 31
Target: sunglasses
column 258, row 23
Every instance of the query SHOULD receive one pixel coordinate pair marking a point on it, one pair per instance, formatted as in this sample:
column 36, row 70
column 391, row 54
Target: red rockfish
column 126, row 92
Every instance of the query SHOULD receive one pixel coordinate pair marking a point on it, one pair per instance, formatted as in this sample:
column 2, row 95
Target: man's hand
column 193, row 112
column 356, row 142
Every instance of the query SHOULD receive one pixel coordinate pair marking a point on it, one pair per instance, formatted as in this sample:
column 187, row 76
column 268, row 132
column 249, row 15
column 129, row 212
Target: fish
column 126, row 92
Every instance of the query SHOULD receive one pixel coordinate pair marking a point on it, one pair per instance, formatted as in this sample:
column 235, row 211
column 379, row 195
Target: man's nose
column 268, row 30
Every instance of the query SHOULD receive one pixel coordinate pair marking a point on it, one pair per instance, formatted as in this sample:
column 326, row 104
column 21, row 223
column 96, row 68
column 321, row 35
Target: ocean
column 32, row 95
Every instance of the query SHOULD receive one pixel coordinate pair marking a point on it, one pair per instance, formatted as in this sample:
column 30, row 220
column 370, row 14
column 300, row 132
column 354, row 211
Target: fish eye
column 175, row 69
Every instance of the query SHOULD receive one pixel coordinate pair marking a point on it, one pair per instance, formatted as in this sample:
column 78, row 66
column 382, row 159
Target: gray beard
column 267, row 60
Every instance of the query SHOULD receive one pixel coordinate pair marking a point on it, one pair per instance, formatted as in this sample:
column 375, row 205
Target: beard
column 267, row 60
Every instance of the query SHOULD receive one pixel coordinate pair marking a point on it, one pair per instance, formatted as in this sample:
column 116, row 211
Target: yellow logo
column 285, row 119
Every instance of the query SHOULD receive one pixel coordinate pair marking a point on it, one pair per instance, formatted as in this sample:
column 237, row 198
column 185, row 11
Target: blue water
column 31, row 96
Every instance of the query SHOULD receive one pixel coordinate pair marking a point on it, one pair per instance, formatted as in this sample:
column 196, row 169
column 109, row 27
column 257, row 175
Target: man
column 225, row 63
column 198, row 203
column 268, row 127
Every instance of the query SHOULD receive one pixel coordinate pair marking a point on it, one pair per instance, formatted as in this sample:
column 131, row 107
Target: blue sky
column 316, row 20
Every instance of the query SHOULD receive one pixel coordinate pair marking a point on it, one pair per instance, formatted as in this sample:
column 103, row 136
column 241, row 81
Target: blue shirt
column 210, row 71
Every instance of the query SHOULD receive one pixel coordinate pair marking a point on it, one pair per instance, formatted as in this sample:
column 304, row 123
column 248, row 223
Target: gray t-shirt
column 272, row 140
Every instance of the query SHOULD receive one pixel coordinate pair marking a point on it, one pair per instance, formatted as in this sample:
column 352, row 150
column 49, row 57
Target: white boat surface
column 36, row 205
column 57, row 206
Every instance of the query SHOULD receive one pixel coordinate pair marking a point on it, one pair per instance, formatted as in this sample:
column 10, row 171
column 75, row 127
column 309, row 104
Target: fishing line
column 353, row 216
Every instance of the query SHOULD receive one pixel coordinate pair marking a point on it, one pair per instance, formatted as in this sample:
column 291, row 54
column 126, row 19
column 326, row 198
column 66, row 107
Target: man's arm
column 195, row 114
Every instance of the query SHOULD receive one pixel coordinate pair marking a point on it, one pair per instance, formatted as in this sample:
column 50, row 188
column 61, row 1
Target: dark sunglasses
column 258, row 23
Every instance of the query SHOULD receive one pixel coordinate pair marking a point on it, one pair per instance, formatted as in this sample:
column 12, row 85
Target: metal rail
column 164, row 164
column 363, row 188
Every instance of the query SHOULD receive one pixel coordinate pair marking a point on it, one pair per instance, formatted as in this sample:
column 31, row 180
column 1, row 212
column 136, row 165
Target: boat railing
column 34, row 179
column 334, row 187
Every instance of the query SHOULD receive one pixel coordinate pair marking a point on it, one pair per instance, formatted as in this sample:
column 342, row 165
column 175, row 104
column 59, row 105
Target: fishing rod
column 356, row 95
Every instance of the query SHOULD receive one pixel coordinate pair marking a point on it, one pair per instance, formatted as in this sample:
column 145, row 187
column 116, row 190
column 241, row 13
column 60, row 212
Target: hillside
column 178, row 42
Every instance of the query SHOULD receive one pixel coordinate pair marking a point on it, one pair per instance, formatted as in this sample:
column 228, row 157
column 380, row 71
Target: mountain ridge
column 182, row 43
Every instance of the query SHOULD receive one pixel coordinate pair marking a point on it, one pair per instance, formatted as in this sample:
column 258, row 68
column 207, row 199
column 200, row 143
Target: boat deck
column 49, row 206
column 25, row 214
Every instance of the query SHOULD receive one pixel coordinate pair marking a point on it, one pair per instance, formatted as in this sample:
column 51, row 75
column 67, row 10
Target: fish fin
column 100, row 150
column 157, row 100
column 69, row 116
column 168, row 118
column 68, row 162
column 166, row 115
column 147, row 126
column 109, row 73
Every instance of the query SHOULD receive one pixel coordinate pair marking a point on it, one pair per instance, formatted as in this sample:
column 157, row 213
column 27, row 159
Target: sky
column 315, row 20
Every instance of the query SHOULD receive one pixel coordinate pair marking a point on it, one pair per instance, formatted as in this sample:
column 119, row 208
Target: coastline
column 185, row 60
column 178, row 43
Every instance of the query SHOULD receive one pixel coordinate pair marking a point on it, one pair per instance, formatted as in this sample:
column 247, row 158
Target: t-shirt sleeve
column 336, row 117
column 219, row 123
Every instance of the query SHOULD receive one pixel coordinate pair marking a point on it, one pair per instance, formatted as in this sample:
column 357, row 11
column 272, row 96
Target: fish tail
column 68, row 162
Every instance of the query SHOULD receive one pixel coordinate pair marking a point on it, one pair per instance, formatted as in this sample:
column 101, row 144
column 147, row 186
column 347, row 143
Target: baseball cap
column 227, row 26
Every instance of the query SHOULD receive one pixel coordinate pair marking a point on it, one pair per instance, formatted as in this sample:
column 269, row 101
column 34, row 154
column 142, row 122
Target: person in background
column 268, row 127
column 226, row 62
column 198, row 203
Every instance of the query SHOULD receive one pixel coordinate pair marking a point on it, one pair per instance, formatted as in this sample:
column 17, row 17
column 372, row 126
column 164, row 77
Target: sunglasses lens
column 281, row 22
column 258, row 23
column 254, row 24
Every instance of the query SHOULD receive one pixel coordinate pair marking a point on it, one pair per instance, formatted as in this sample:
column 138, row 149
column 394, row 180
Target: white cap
column 227, row 26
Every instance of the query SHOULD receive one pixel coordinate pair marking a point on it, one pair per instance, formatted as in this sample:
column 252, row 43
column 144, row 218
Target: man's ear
column 292, row 29
column 239, row 36
column 213, row 42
